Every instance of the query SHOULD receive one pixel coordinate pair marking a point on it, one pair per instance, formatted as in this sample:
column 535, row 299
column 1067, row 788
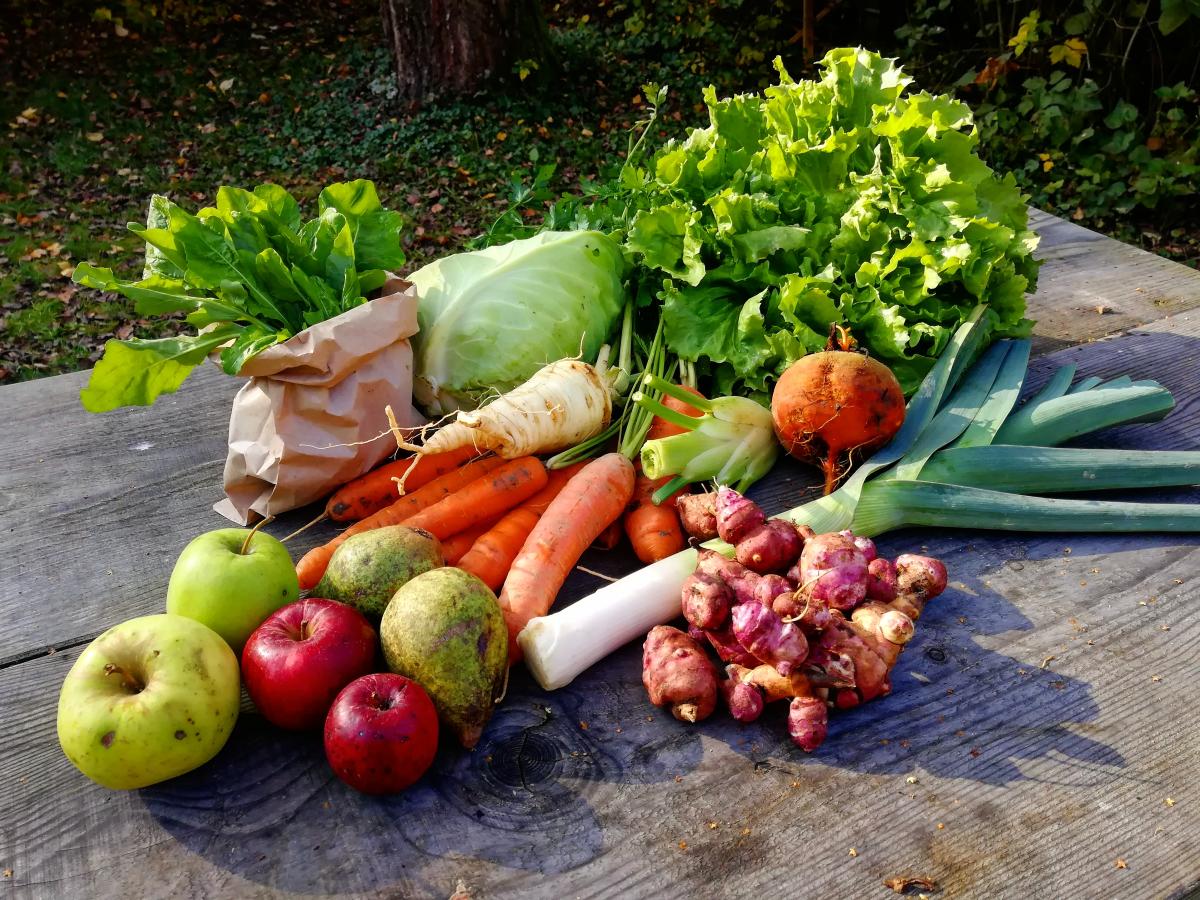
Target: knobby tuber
column 706, row 600
column 805, row 610
column 834, row 570
column 771, row 547
column 737, row 517
column 698, row 513
column 808, row 723
column 676, row 671
column 881, row 580
column 745, row 700
column 769, row 587
column 773, row 685
column 728, row 648
column 825, row 635
column 865, row 545
column 738, row 577
column 768, row 637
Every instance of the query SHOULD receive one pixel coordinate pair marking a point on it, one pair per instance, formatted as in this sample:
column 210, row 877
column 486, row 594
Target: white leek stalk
column 560, row 646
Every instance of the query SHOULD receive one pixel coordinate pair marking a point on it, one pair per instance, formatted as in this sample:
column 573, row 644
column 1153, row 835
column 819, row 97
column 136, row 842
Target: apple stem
column 253, row 531
column 130, row 683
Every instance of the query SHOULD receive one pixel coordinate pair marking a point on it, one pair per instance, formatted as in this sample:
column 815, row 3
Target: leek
column 1054, row 420
column 1060, row 470
column 888, row 505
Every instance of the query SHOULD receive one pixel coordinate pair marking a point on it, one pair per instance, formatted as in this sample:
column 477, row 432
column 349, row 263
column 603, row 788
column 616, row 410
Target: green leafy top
column 248, row 273
column 844, row 200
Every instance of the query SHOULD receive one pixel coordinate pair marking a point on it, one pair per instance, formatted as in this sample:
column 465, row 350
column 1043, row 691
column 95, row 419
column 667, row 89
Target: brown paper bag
column 303, row 424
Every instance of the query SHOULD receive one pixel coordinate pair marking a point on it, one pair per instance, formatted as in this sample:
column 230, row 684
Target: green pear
column 445, row 631
column 366, row 570
column 148, row 700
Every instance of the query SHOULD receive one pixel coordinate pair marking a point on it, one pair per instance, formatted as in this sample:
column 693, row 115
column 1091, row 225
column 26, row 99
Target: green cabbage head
column 491, row 318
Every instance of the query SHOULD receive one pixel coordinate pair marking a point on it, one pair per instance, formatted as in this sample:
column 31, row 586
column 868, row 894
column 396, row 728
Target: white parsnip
column 562, row 404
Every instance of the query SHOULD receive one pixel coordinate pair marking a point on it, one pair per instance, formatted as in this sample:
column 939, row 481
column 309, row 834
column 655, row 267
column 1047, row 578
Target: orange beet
column 831, row 404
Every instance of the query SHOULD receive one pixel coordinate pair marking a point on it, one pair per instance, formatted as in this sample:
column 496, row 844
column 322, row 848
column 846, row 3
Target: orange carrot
column 456, row 545
column 661, row 428
column 492, row 554
column 313, row 564
column 483, row 499
column 609, row 537
column 654, row 531
column 372, row 492
column 595, row 497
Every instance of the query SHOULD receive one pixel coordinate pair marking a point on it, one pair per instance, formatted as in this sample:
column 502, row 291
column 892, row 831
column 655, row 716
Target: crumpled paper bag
column 304, row 424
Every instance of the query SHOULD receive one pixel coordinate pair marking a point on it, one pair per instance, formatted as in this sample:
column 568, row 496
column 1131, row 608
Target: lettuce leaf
column 846, row 199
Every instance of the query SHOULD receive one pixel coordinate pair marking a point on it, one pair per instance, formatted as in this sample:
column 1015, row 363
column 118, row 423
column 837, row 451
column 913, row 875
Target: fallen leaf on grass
column 95, row 136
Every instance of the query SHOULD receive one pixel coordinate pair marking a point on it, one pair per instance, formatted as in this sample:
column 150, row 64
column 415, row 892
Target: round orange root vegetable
column 830, row 404
column 676, row 672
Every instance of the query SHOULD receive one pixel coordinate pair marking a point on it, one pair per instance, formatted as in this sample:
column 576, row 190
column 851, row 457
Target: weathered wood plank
column 1092, row 286
column 95, row 508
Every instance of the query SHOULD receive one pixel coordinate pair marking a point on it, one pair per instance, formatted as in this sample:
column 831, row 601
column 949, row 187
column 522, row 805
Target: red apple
column 381, row 733
column 298, row 659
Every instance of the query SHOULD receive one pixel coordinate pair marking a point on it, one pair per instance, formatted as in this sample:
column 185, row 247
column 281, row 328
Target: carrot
column 595, row 497
column 484, row 498
column 661, row 428
column 494, row 551
column 654, row 530
column 609, row 537
column 372, row 492
column 455, row 546
column 312, row 565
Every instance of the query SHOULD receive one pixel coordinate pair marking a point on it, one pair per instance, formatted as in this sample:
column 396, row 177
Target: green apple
column 231, row 579
column 147, row 700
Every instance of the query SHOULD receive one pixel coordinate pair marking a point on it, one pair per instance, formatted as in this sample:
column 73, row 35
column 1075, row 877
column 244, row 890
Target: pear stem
column 253, row 531
column 130, row 683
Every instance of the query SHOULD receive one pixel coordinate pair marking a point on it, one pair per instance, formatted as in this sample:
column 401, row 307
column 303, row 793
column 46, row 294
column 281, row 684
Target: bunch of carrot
column 513, row 524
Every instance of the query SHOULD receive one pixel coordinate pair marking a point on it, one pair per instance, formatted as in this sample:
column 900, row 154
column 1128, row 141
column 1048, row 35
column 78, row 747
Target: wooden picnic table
column 1040, row 741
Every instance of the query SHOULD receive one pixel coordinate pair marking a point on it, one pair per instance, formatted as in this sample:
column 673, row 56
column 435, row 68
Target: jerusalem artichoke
column 745, row 700
column 771, row 547
column 808, row 723
column 736, row 515
column 676, row 671
column 768, row 637
column 706, row 600
column 832, row 568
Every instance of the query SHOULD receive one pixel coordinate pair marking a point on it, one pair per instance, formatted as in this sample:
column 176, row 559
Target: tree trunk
column 443, row 47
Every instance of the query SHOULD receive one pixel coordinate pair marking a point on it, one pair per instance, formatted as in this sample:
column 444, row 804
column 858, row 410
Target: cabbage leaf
column 491, row 318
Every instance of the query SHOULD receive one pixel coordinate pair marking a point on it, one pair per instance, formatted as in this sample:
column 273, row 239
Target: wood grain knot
column 524, row 759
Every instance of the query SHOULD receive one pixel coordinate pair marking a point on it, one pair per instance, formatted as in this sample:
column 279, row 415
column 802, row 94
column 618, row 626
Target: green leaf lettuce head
column 248, row 273
column 847, row 200
column 491, row 318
